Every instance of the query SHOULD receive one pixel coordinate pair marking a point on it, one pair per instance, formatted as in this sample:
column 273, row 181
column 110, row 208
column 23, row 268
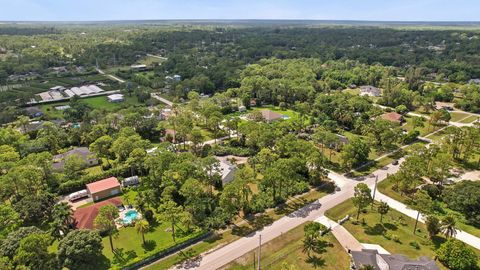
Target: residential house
column 368, row 90
column 270, row 116
column 390, row 262
column 104, row 188
column 33, row 112
column 227, row 171
column 393, row 117
column 84, row 217
column 83, row 152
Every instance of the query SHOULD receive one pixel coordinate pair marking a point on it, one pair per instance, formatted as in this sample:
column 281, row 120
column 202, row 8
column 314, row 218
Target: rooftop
column 393, row 262
column 85, row 216
column 269, row 115
column 102, row 185
column 392, row 116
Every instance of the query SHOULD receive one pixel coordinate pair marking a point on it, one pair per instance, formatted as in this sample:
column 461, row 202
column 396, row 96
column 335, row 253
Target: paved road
column 402, row 208
column 110, row 75
column 166, row 101
column 310, row 212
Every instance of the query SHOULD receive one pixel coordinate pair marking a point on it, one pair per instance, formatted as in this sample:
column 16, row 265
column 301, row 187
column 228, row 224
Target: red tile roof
column 392, row 116
column 102, row 185
column 84, row 217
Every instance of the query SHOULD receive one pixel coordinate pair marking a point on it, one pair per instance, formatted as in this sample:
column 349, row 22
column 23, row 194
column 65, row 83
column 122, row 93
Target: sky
column 369, row 10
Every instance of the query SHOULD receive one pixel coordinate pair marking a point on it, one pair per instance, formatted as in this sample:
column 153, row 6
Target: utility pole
column 259, row 250
column 374, row 190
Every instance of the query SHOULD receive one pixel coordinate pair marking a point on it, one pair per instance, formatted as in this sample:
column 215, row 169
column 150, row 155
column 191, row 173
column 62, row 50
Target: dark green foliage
column 457, row 256
column 80, row 249
column 12, row 242
column 465, row 198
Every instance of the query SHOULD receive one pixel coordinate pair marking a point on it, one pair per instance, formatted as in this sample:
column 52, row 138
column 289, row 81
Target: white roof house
column 227, row 170
column 116, row 98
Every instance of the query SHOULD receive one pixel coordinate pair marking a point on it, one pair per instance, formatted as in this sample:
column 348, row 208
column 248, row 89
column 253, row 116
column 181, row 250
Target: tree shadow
column 315, row 261
column 101, row 263
column 390, row 226
column 438, row 240
column 149, row 245
column 120, row 256
column 241, row 230
column 261, row 221
column 378, row 229
column 321, row 246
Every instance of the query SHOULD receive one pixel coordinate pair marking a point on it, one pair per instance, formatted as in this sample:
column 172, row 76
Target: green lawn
column 129, row 248
column 395, row 225
column 100, row 102
column 470, row 119
column 355, row 91
column 426, row 129
column 287, row 249
column 457, row 116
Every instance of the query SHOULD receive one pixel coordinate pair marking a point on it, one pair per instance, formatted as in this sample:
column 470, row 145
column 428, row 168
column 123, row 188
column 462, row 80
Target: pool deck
column 122, row 213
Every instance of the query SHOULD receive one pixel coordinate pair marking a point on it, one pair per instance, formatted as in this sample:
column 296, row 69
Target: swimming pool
column 130, row 216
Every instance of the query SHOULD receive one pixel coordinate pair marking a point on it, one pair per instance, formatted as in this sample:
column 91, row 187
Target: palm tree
column 309, row 244
column 142, row 226
column 448, row 226
column 62, row 219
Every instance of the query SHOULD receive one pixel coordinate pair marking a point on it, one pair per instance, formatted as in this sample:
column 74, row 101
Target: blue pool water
column 130, row 216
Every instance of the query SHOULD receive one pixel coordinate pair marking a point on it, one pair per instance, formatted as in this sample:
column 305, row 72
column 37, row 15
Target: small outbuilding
column 104, row 188
column 116, row 98
column 131, row 181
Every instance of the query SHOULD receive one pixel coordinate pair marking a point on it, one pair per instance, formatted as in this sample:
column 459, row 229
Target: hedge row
column 76, row 185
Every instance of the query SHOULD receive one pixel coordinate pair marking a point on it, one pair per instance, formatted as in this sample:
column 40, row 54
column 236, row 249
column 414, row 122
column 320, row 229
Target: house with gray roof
column 390, row 262
column 368, row 90
column 89, row 158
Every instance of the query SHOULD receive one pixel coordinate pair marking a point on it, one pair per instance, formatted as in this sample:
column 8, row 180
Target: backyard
column 100, row 102
column 129, row 248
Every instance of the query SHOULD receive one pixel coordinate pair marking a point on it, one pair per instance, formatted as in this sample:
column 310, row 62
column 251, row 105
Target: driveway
column 344, row 237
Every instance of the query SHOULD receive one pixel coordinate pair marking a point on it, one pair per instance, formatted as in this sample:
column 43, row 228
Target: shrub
column 415, row 244
column 395, row 238
column 457, row 256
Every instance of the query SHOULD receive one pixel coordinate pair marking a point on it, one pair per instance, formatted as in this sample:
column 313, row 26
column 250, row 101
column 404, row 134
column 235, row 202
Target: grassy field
column 287, row 249
column 457, row 116
column 386, row 187
column 470, row 119
column 129, row 247
column 395, row 226
column 100, row 102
